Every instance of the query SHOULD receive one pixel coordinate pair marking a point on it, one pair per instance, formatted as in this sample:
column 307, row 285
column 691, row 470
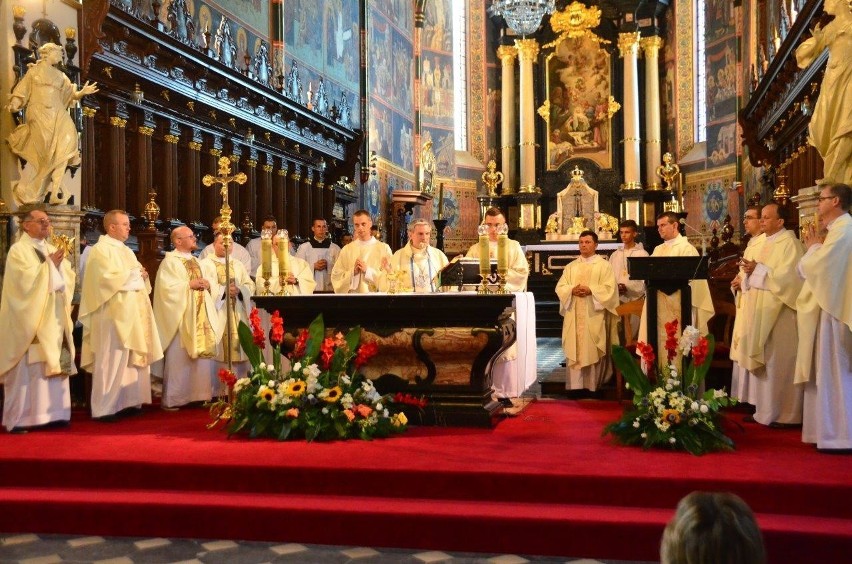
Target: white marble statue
column 47, row 140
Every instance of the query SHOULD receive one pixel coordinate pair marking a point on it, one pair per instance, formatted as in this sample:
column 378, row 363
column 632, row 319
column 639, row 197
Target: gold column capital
column 628, row 43
column 281, row 172
column 89, row 112
column 295, row 176
column 169, row 138
column 267, row 168
column 251, row 162
column 145, row 130
column 651, row 45
column 507, row 54
column 215, row 152
column 118, row 122
column 527, row 49
column 194, row 145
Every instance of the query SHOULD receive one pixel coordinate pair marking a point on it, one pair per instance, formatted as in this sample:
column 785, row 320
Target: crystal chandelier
column 523, row 16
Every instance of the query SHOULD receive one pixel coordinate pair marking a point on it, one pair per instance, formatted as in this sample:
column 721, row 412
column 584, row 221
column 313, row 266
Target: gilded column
column 143, row 177
column 306, row 206
column 264, row 191
column 171, row 186
column 116, row 197
column 653, row 152
column 527, row 53
column 278, row 184
column 292, row 195
column 192, row 178
column 508, row 132
column 628, row 47
column 87, row 192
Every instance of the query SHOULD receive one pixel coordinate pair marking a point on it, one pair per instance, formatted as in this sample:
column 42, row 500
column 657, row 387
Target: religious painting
column 461, row 210
column 443, row 146
column 579, row 82
column 715, row 204
column 722, row 143
column 492, row 113
column 381, row 130
column 403, row 143
column 722, row 80
column 436, row 102
column 402, row 58
column 438, row 27
column 381, row 55
column 303, row 35
column 253, row 14
column 342, row 37
column 721, row 19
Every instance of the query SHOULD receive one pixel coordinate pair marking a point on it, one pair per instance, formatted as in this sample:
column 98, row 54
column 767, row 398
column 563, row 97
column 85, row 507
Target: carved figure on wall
column 427, row 167
column 180, row 20
column 262, row 68
column 224, row 45
column 47, row 140
column 831, row 124
column 293, row 89
column 321, row 99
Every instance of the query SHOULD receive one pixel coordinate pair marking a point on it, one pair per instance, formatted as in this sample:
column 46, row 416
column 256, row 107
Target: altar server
column 120, row 340
column 300, row 278
column 320, row 254
column 418, row 264
column 184, row 310
column 238, row 252
column 588, row 298
column 518, row 267
column 628, row 290
column 38, row 348
column 253, row 247
column 824, row 360
column 362, row 265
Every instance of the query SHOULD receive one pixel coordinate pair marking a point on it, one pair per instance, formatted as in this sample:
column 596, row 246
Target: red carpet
column 542, row 483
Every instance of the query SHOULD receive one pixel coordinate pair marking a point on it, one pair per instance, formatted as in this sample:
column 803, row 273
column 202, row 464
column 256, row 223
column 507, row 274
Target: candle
column 502, row 252
column 441, row 201
column 283, row 252
column 484, row 251
column 266, row 257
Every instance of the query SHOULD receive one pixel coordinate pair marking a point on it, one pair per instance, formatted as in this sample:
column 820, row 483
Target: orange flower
column 293, row 412
column 363, row 410
column 671, row 416
column 349, row 415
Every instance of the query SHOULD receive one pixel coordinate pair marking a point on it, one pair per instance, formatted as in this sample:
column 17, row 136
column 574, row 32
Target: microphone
column 694, row 230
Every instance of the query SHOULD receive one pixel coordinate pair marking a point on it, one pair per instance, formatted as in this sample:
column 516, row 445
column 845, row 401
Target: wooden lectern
column 667, row 275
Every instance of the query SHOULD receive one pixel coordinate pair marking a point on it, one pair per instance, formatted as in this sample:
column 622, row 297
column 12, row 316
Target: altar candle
column 484, row 251
column 441, row 201
column 266, row 257
column 283, row 252
column 502, row 252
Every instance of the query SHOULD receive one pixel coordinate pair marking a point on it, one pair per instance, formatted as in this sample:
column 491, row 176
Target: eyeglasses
column 747, row 217
column 43, row 221
column 821, row 198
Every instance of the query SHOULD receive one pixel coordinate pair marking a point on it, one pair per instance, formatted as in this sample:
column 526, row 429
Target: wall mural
column 253, row 14
column 578, row 86
column 721, row 65
column 436, row 98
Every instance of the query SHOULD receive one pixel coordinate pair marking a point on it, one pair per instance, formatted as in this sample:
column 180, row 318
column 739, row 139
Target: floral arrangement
column 671, row 412
column 321, row 396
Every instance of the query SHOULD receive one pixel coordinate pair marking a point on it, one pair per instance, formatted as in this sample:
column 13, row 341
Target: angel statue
column 47, row 140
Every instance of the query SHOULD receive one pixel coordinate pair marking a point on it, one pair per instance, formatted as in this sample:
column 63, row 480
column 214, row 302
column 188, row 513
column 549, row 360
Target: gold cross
column 225, row 177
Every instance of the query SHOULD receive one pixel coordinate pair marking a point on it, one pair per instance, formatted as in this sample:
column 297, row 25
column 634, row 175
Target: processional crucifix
column 226, row 228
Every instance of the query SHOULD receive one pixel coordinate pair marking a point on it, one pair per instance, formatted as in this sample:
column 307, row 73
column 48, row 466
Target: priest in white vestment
column 739, row 375
column 300, row 278
column 320, row 253
column 588, row 298
column 236, row 285
column 37, row 355
column 668, row 307
column 120, row 340
column 518, row 271
column 269, row 224
column 770, row 285
column 184, row 310
column 238, row 252
column 824, row 360
column 362, row 265
column 419, row 264
column 628, row 290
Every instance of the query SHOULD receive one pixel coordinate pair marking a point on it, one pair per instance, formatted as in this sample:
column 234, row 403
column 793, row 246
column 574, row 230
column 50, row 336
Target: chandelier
column 523, row 16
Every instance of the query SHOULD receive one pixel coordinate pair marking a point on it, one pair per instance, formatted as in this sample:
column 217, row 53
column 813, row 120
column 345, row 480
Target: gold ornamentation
column 19, row 11
column 62, row 241
column 145, row 130
column 212, row 114
column 576, row 21
column 251, row 162
column 70, row 33
column 282, row 172
column 233, row 122
column 118, row 122
column 169, row 138
column 492, row 178
column 669, row 171
column 527, row 49
column 194, row 145
column 651, row 45
column 544, row 111
column 628, row 43
column 507, row 54
column 215, row 152
column 633, row 185
column 108, row 71
column 613, row 107
column 152, row 211
column 165, row 94
column 191, row 105
column 267, row 135
column 267, row 168
column 89, row 112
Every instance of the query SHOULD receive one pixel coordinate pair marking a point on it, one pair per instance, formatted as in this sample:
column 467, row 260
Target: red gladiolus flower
column 365, row 352
column 277, row 336
column 301, row 344
column 671, row 339
column 699, row 351
column 327, row 351
column 646, row 351
column 227, row 377
column 410, row 400
column 256, row 329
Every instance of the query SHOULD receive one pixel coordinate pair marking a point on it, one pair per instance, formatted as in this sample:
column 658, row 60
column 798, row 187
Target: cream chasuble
column 420, row 269
column 372, row 252
column 305, row 282
column 214, row 269
column 519, row 268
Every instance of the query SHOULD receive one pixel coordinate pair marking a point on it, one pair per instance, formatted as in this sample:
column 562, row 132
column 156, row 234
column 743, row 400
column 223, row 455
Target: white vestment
column 120, row 340
column 824, row 359
column 311, row 254
column 305, row 283
column 38, row 349
column 764, row 338
column 518, row 267
column 373, row 252
column 590, row 323
column 238, row 252
column 214, row 268
column 668, row 307
column 739, row 375
column 419, row 268
column 635, row 288
column 184, row 322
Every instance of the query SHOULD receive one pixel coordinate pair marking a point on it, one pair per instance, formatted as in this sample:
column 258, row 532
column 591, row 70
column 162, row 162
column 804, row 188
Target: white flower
column 669, row 387
column 379, row 407
column 262, row 366
column 688, row 339
column 627, row 385
column 704, row 409
column 312, row 371
column 644, row 435
column 346, row 380
column 325, row 411
column 297, row 367
column 270, row 384
column 672, row 440
column 385, row 414
column 719, row 394
column 636, row 424
column 310, row 396
column 240, row 384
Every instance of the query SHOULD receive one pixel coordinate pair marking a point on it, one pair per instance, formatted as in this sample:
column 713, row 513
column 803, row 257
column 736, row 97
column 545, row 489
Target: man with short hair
column 320, row 254
column 824, row 360
column 253, row 247
column 37, row 355
column 120, row 340
column 238, row 252
column 519, row 268
column 419, row 262
column 588, row 297
column 668, row 306
column 628, row 290
column 237, row 286
column 184, row 310
column 766, row 347
column 739, row 375
column 300, row 278
column 361, row 265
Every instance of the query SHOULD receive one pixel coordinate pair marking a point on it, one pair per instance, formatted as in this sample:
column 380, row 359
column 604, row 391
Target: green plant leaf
column 316, row 334
column 247, row 343
column 629, row 367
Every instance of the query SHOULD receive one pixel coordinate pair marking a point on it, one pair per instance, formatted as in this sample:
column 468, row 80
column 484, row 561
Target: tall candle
column 502, row 252
column 283, row 252
column 266, row 257
column 484, row 258
column 441, row 201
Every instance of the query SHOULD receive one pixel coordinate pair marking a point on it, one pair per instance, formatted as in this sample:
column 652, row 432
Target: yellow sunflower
column 333, row 394
column 268, row 394
column 671, row 416
column 296, row 389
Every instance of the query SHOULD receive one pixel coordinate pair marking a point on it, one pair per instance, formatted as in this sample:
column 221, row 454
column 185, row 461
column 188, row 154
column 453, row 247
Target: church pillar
column 508, row 133
column 317, row 201
column 653, row 155
column 278, row 185
column 89, row 152
column 527, row 53
column 239, row 195
column 116, row 196
column 143, row 178
column 248, row 191
column 210, row 203
column 628, row 47
column 306, row 202
column 292, row 195
column 264, row 192
column 192, row 178
column 171, row 186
